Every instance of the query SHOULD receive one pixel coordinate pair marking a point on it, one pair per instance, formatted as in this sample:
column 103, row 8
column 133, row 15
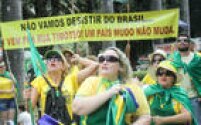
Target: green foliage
column 139, row 74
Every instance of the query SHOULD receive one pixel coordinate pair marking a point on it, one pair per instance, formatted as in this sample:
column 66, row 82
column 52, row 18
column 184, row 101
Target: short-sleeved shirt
column 186, row 81
column 92, row 87
column 69, row 88
column 6, row 84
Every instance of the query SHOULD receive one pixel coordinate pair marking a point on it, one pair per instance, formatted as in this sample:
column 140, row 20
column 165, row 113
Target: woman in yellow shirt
column 64, row 83
column 7, row 96
column 110, row 98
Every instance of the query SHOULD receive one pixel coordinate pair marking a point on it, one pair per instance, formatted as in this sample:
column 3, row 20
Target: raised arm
column 89, row 67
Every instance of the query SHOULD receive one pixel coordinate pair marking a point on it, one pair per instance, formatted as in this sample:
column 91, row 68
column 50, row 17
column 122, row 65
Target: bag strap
column 47, row 81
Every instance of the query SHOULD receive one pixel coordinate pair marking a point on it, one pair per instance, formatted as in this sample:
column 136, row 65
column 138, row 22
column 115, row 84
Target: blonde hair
column 125, row 72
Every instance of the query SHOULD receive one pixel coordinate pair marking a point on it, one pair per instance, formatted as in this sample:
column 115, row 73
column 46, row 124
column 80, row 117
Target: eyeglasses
column 54, row 59
column 158, row 60
column 161, row 72
column 108, row 58
column 183, row 40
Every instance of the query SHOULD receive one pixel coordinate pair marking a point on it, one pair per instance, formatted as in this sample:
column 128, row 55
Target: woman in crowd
column 109, row 98
column 155, row 58
column 60, row 85
column 7, row 96
column 168, row 102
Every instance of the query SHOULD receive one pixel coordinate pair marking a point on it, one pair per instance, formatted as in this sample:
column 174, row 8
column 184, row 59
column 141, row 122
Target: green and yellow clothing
column 74, row 69
column 6, row 84
column 192, row 68
column 94, row 85
column 69, row 88
column 148, row 80
column 168, row 102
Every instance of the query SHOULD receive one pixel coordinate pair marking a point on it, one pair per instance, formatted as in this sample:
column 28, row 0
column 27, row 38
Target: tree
column 185, row 13
column 107, row 7
column 12, row 10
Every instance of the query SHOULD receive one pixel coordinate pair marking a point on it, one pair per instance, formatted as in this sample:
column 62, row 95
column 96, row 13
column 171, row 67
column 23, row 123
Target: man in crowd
column 189, row 65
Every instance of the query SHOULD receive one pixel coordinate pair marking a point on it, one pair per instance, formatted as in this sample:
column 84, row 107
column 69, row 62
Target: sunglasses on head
column 108, row 58
column 161, row 72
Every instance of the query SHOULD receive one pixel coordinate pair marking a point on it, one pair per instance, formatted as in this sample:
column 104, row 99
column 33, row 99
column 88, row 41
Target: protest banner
column 91, row 27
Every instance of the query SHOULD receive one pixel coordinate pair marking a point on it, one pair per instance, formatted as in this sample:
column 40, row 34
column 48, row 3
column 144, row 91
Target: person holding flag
column 110, row 98
column 59, row 83
column 55, row 86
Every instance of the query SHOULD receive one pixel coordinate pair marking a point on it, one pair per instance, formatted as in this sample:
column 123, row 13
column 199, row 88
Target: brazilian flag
column 36, row 59
column 38, row 66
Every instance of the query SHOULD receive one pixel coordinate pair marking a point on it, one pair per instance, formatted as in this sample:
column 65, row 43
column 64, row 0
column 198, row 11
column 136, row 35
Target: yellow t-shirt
column 6, row 84
column 148, row 80
column 74, row 69
column 69, row 88
column 91, row 87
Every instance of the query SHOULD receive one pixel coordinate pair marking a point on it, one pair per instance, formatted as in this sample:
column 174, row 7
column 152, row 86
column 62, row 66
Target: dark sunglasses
column 54, row 58
column 108, row 58
column 184, row 40
column 161, row 72
column 158, row 60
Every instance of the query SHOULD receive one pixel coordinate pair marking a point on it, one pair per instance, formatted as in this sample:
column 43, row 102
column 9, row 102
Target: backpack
column 56, row 104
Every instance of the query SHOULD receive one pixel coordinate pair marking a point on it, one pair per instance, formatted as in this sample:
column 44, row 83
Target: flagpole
column 29, row 100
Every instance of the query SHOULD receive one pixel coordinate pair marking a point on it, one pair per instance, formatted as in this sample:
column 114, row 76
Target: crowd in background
column 101, row 90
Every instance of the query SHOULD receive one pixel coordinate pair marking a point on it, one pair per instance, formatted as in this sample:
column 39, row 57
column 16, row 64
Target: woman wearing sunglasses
column 168, row 102
column 109, row 99
column 62, row 84
column 155, row 58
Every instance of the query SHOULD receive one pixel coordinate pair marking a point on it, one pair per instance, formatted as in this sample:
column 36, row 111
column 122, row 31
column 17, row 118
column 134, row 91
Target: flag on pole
column 38, row 66
column 36, row 59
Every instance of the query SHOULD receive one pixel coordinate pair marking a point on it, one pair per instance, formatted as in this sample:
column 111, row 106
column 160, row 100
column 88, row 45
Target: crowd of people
column 81, row 91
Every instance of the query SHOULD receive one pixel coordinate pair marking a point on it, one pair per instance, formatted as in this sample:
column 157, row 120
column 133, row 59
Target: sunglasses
column 183, row 40
column 54, row 58
column 108, row 58
column 161, row 72
column 158, row 60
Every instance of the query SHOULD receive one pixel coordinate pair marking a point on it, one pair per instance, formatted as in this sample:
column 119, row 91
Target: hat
column 170, row 67
column 67, row 51
column 158, row 52
column 55, row 53
column 47, row 120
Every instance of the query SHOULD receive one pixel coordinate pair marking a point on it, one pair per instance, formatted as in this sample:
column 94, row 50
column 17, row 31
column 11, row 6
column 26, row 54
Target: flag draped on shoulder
column 176, row 93
column 192, row 68
column 36, row 59
column 121, row 104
